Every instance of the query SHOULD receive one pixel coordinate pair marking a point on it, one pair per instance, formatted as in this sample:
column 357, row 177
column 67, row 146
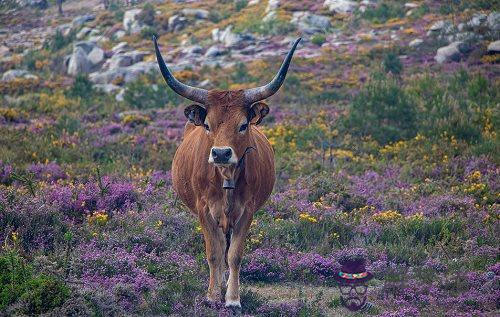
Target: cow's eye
column 243, row 127
column 206, row 126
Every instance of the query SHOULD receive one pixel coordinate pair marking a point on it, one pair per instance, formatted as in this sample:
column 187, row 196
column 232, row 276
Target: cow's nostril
column 228, row 153
column 214, row 153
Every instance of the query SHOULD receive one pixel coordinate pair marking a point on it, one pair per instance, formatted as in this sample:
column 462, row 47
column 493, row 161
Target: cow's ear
column 196, row 114
column 257, row 112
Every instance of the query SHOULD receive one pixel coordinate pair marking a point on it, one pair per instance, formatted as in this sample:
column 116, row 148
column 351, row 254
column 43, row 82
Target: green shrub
column 36, row 293
column 81, row 88
column 384, row 12
column 460, row 106
column 31, row 58
column 147, row 15
column 59, row 41
column 318, row 39
column 392, row 64
column 384, row 111
column 240, row 4
column 148, row 92
column 148, row 32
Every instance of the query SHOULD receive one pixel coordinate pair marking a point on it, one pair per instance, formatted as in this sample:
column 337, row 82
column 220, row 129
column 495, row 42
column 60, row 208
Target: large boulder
column 477, row 20
column 494, row 47
column 229, row 38
column 86, row 56
column 37, row 4
column 125, row 74
column 215, row 51
column 131, row 22
column 177, row 23
column 310, row 23
column 17, row 73
column 452, row 52
column 96, row 56
column 78, row 62
column 340, row 6
column 124, row 59
column 81, row 20
column 494, row 21
column 196, row 13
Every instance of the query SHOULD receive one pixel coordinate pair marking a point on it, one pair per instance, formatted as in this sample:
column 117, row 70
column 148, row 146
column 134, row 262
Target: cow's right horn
column 260, row 93
column 192, row 93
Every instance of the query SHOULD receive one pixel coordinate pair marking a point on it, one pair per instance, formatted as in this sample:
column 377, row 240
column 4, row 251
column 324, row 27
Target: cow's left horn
column 260, row 93
column 189, row 92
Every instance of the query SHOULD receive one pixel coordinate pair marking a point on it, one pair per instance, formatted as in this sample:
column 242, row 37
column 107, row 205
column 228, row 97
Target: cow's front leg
column 214, row 246
column 235, row 256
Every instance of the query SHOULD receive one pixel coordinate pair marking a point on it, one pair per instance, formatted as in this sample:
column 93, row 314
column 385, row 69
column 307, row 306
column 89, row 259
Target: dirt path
column 321, row 295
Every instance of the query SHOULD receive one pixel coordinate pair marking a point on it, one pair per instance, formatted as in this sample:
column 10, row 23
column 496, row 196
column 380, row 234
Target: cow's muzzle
column 223, row 155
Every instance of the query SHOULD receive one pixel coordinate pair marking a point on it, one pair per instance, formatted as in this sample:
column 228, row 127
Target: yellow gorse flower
column 99, row 217
column 15, row 236
column 307, row 217
column 388, row 216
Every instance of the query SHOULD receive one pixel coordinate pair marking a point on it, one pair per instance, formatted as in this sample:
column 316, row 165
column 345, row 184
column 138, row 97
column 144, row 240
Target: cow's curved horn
column 260, row 93
column 192, row 93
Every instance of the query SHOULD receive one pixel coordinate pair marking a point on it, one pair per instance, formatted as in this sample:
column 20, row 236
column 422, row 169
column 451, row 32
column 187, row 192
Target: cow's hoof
column 234, row 307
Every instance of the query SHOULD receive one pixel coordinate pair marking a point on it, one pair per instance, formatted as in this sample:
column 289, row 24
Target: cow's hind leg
column 215, row 247
column 235, row 255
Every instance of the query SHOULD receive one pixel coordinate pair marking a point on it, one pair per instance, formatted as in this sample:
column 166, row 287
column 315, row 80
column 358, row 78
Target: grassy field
column 380, row 151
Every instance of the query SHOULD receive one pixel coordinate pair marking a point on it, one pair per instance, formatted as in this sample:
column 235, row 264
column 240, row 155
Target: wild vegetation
column 380, row 151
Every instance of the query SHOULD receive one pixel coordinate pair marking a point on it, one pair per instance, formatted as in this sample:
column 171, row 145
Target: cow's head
column 226, row 116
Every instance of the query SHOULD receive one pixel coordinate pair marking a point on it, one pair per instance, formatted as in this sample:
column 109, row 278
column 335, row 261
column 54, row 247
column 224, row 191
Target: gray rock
column 441, row 28
column 439, row 25
column 17, row 73
column 120, row 95
column 452, row 52
column 340, row 6
column 494, row 21
column 494, row 47
column 229, row 38
column 107, row 88
column 192, row 50
column 411, row 5
column 176, row 23
column 134, row 71
column 130, row 21
column 124, row 59
column 128, row 74
column 83, row 33
column 469, row 37
column 81, row 20
column 64, row 29
column 310, row 23
column 96, row 56
column 79, row 63
column 119, row 34
column 37, row 4
column 215, row 51
column 120, row 48
column 87, row 46
column 196, row 13
column 272, row 5
column 416, row 43
column 477, row 20
column 4, row 51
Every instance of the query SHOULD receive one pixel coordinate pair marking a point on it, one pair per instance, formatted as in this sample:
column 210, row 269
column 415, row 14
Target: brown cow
column 224, row 169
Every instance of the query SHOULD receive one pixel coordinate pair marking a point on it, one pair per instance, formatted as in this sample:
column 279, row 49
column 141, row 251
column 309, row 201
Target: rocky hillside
column 114, row 46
